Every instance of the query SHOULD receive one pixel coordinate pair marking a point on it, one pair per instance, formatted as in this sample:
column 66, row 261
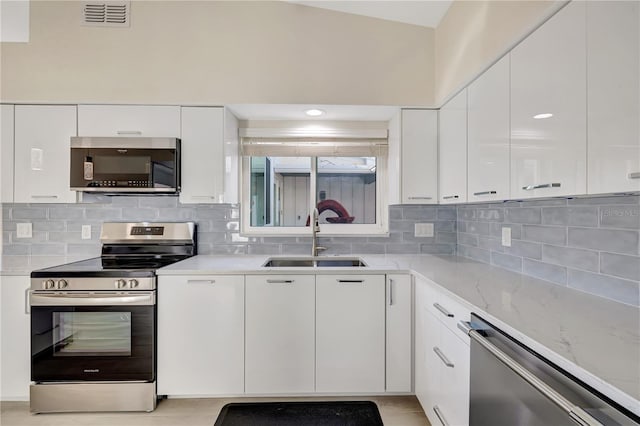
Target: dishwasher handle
column 576, row 413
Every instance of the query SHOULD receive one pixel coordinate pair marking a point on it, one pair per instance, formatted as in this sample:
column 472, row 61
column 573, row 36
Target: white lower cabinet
column 399, row 332
column 280, row 334
column 201, row 335
column 442, row 364
column 15, row 335
column 350, row 333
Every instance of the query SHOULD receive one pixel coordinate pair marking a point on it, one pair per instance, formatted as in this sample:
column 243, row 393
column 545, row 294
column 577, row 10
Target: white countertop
column 595, row 339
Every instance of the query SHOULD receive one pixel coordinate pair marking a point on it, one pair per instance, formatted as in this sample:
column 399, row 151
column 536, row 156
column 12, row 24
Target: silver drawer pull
column 436, row 409
column 450, row 197
column 635, row 175
column 485, row 193
column 129, row 132
column 280, row 281
column 201, row 281
column 350, row 281
column 420, row 198
column 541, row 186
column 44, row 196
column 443, row 310
column 442, row 357
column 390, row 292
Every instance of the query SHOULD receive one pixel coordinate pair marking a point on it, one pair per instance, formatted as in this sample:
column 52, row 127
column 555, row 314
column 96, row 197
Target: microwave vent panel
column 106, row 14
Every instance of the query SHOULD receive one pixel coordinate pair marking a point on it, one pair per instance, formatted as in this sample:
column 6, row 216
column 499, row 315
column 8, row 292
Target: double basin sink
column 314, row 262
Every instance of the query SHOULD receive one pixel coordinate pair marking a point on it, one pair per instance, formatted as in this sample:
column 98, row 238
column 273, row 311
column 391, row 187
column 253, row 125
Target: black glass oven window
column 91, row 334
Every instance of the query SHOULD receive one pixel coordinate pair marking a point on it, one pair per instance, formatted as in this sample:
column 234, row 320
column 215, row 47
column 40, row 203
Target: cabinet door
column 129, row 120
column 201, row 335
column 613, row 88
column 434, row 391
column 453, row 150
column 6, row 153
column 488, row 148
column 14, row 338
column 350, row 333
column 280, row 338
column 548, row 76
column 398, row 325
column 203, row 159
column 42, row 138
column 419, row 156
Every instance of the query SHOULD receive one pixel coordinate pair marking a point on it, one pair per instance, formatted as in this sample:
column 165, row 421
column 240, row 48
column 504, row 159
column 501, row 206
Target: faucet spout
column 315, row 228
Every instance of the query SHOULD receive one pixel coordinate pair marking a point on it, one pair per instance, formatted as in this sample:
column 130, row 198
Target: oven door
column 93, row 336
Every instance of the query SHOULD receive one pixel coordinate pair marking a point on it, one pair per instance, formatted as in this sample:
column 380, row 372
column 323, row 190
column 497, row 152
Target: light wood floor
column 395, row 411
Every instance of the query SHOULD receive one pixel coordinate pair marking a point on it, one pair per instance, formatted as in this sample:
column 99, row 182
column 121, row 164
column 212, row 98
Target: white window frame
column 380, row 228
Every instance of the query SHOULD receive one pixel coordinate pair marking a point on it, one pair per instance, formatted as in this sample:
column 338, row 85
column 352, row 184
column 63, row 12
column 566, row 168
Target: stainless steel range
column 93, row 322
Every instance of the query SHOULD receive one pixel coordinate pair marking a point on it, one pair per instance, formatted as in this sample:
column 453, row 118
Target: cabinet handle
column 44, row 196
column 635, row 175
column 443, row 310
column 442, row 357
column 129, row 132
column 436, row 409
column 201, row 281
column 280, row 281
column 212, row 197
column 350, row 281
column 420, row 198
column 390, row 292
column 27, row 303
column 541, row 186
column 485, row 193
column 450, row 197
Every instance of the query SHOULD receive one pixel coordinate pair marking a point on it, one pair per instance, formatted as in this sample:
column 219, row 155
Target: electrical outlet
column 86, row 232
column 506, row 236
column 423, row 230
column 24, row 230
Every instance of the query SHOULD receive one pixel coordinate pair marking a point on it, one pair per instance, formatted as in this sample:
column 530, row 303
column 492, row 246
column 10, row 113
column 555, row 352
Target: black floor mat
column 334, row 413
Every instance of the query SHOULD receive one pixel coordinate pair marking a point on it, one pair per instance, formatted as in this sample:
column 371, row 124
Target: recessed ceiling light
column 545, row 115
column 314, row 112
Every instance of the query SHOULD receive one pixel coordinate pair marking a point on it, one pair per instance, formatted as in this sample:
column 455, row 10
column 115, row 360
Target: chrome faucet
column 315, row 228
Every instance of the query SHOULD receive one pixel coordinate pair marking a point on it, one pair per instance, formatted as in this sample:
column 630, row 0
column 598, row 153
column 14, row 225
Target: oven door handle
column 142, row 298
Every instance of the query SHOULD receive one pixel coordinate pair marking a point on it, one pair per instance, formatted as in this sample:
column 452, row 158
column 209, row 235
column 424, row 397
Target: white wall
column 219, row 52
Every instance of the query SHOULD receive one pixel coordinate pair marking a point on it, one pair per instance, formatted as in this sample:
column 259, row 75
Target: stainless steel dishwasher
column 513, row 385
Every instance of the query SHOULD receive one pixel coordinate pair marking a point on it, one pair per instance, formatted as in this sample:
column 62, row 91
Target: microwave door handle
column 92, row 299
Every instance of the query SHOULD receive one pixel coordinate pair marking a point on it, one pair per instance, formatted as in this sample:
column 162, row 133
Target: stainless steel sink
column 313, row 262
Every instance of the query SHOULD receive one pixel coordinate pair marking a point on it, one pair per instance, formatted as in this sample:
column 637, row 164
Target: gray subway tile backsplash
column 57, row 230
column 591, row 244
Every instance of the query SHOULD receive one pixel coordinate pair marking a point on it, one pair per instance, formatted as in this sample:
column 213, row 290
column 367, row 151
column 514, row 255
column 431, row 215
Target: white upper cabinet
column 548, row 76
column 42, row 137
column 6, row 153
column 129, row 120
column 613, row 76
column 453, row 150
column 488, row 143
column 209, row 155
column 419, row 158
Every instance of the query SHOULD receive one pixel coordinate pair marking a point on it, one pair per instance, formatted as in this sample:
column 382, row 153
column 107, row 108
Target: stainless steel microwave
column 125, row 165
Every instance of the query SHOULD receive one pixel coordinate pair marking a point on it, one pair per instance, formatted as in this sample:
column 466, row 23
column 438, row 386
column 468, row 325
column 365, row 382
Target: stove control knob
column 133, row 283
column 62, row 284
column 48, row 284
column 121, row 284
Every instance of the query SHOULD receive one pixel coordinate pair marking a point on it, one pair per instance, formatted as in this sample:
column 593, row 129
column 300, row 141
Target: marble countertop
column 595, row 339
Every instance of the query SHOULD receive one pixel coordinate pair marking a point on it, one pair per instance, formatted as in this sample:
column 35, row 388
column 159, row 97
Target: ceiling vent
column 106, row 14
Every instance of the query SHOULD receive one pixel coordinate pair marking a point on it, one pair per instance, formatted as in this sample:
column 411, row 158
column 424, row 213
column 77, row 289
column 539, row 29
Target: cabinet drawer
column 129, row 120
column 447, row 310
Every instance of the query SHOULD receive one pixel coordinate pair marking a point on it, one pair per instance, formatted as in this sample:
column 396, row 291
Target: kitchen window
column 284, row 179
